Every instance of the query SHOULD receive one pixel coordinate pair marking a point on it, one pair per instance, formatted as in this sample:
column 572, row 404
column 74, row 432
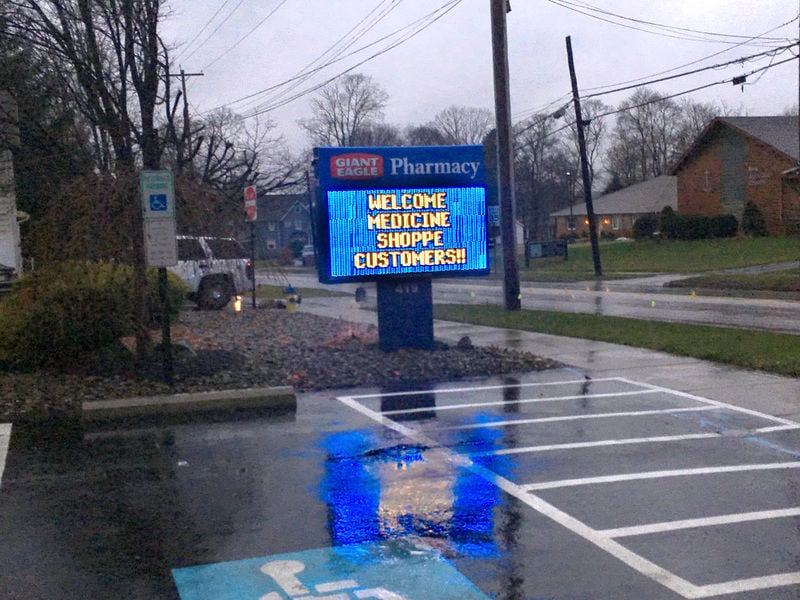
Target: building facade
column 281, row 220
column 616, row 212
column 740, row 159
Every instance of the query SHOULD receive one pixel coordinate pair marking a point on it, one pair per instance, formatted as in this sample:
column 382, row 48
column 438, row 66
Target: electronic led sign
column 402, row 212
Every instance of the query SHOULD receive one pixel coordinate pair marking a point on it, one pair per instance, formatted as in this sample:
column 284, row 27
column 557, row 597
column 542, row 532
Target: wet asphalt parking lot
column 552, row 485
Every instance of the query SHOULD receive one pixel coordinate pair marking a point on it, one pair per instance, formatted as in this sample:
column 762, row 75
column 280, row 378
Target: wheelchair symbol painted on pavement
column 285, row 572
column 393, row 571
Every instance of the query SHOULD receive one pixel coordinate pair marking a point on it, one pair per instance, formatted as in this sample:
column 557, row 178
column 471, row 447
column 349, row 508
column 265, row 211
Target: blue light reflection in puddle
column 374, row 492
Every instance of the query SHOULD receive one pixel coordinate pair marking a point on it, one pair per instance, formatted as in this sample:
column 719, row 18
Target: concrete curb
column 281, row 397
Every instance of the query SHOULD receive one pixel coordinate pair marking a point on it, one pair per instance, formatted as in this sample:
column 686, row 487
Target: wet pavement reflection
column 549, row 485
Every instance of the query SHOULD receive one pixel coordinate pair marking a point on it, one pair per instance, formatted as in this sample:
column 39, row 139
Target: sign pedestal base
column 405, row 313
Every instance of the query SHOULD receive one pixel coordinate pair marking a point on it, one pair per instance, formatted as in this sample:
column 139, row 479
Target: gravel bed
column 267, row 347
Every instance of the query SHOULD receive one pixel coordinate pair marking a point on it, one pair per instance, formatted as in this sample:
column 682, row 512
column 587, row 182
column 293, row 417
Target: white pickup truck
column 215, row 269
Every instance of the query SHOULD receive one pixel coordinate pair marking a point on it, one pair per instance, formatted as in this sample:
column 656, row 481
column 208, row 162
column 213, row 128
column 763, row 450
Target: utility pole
column 587, row 184
column 505, row 165
column 187, row 130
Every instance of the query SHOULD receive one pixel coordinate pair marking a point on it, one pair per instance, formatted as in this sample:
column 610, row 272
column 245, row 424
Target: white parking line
column 633, row 413
column 604, row 539
column 788, row 423
column 701, row 522
column 550, row 485
column 5, row 438
column 747, row 585
column 621, row 442
column 406, row 411
column 479, row 388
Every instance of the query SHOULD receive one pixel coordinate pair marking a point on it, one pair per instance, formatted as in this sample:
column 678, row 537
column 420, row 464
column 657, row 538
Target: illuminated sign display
column 402, row 211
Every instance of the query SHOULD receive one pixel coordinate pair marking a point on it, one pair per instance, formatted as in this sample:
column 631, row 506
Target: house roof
column 274, row 207
column 640, row 198
column 779, row 132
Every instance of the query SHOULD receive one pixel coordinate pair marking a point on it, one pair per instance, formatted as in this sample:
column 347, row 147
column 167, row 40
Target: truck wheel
column 215, row 293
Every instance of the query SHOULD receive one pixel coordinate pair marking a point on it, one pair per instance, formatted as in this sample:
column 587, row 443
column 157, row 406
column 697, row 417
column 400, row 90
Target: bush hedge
column 684, row 227
column 57, row 313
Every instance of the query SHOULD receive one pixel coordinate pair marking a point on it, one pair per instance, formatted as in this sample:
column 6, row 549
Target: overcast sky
column 247, row 46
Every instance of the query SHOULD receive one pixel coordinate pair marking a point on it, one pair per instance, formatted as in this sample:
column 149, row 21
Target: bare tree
column 424, row 135
column 645, row 136
column 344, row 109
column 463, row 125
column 379, row 134
column 112, row 63
column 541, row 164
column 595, row 133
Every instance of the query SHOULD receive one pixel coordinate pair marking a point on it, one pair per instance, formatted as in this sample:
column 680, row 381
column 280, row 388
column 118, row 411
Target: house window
column 615, row 222
column 707, row 181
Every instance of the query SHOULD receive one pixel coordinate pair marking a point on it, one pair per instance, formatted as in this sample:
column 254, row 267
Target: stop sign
column 250, row 205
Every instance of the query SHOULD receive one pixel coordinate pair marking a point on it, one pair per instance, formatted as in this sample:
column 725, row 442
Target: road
column 616, row 299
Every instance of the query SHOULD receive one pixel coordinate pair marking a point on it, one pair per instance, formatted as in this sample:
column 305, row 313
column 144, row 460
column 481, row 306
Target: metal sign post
column 161, row 246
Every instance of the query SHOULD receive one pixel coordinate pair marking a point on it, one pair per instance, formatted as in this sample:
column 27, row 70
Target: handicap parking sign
column 158, row 202
column 383, row 571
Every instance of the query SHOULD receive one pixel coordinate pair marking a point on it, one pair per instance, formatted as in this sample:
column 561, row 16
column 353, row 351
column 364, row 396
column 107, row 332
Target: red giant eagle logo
column 356, row 165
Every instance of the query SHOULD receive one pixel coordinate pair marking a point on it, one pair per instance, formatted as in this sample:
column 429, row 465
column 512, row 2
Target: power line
column 661, row 30
column 741, row 60
column 694, row 62
column 665, row 27
column 203, row 28
column 216, row 29
column 351, row 37
column 655, row 100
column 442, row 11
column 246, row 35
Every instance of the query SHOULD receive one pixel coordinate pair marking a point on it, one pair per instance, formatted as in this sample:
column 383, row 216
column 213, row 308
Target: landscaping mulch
column 257, row 348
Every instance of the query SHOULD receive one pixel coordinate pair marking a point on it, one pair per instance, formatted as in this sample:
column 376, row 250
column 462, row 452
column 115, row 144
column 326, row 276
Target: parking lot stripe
column 788, row 423
column 636, row 413
column 621, row 442
column 5, row 438
column 549, row 485
column 523, row 401
column 479, row 388
column 700, row 522
column 599, row 538
column 747, row 585
column 635, row 561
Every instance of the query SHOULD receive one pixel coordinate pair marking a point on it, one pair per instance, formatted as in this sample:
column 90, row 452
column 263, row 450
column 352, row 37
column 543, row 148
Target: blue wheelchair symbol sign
column 342, row 573
column 158, row 202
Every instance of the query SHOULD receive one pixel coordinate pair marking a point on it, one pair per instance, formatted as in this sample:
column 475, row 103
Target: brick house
column 616, row 212
column 282, row 219
column 738, row 159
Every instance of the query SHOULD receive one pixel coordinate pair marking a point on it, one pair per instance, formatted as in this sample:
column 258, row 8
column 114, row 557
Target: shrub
column 645, row 226
column 285, row 257
column 668, row 223
column 57, row 313
column 296, row 247
column 753, row 222
column 723, row 226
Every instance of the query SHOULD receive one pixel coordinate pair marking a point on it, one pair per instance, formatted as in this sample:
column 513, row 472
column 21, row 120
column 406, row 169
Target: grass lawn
column 628, row 259
column 766, row 351
column 781, row 281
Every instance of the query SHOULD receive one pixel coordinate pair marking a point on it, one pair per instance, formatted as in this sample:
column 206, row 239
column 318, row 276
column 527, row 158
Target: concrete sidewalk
column 755, row 390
